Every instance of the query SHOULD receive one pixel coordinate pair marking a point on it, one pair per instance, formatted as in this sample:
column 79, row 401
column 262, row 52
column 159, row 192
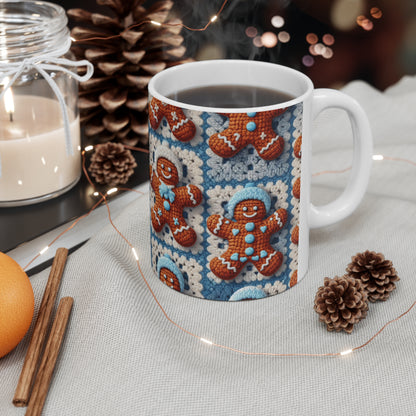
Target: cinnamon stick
column 47, row 365
column 27, row 376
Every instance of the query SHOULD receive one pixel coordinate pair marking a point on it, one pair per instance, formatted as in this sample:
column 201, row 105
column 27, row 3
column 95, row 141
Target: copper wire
column 144, row 22
column 181, row 328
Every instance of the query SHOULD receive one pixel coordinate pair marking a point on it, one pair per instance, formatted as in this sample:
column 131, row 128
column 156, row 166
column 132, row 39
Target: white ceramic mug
column 230, row 187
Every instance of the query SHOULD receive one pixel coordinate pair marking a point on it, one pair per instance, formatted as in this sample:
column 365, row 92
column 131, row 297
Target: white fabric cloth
column 122, row 357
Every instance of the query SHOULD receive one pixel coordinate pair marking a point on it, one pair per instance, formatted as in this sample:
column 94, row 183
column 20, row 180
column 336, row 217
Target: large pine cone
column 113, row 103
column 341, row 303
column 376, row 274
column 112, row 164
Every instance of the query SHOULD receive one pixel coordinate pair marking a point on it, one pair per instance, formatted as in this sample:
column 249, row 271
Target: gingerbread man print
column 248, row 234
column 181, row 126
column 170, row 199
column 170, row 274
column 250, row 128
column 297, row 147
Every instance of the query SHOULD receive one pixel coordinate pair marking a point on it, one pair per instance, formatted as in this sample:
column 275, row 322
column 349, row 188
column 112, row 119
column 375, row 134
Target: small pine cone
column 376, row 274
column 341, row 303
column 112, row 164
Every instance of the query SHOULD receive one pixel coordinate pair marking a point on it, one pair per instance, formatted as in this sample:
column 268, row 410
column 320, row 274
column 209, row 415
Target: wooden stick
column 27, row 376
column 47, row 366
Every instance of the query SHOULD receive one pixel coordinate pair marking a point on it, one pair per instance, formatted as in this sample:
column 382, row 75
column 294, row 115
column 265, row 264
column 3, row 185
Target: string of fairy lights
column 104, row 200
column 283, row 36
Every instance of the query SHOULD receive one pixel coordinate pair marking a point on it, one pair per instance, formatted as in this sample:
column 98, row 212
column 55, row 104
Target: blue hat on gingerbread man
column 250, row 191
column 247, row 293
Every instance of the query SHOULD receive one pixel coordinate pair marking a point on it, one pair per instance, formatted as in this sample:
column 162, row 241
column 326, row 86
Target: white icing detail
column 193, row 200
column 250, row 215
column 265, row 148
column 166, row 176
column 180, row 124
column 237, row 136
column 179, row 230
column 263, row 135
column 156, row 216
column 227, row 142
column 174, row 116
column 153, row 111
column 227, row 263
column 277, row 218
column 217, row 228
column 268, row 260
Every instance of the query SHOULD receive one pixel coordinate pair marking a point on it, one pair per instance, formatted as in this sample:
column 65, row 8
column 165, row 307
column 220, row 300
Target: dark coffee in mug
column 231, row 96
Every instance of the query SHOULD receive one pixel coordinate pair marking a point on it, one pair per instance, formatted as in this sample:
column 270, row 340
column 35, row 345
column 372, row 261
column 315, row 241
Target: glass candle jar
column 39, row 119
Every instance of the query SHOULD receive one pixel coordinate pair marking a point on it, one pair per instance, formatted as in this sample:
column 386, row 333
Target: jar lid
column 30, row 28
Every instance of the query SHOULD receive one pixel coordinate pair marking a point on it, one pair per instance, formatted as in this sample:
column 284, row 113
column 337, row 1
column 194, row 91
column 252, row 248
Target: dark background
column 380, row 56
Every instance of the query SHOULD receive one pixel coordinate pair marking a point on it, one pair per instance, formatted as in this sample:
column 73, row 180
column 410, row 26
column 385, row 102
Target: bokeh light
column 308, row 60
column 364, row 22
column 283, row 36
column 257, row 41
column 376, row 13
column 360, row 19
column 328, row 53
column 277, row 21
column 343, row 13
column 269, row 39
column 319, row 48
column 311, row 38
column 367, row 25
column 251, row 31
column 312, row 50
column 328, row 39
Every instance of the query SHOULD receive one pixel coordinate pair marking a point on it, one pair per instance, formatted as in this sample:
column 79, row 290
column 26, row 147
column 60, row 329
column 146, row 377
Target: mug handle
column 346, row 203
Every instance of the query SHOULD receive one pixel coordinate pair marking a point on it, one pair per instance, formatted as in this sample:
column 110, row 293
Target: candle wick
column 11, row 116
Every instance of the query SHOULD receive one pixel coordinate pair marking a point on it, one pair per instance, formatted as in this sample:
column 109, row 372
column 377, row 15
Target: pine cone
column 341, row 303
column 113, row 103
column 376, row 274
column 112, row 164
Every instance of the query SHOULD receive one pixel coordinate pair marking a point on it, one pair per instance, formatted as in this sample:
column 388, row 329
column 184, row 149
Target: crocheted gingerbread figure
column 170, row 199
column 180, row 125
column 248, row 234
column 250, row 128
column 170, row 274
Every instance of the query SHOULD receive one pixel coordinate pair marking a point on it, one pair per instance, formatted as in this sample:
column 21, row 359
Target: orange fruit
column 17, row 304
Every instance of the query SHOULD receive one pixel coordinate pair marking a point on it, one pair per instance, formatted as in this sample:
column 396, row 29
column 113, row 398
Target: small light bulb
column 44, row 250
column 156, row 23
column 206, row 341
column 378, row 157
column 111, row 191
column 73, row 39
column 96, row 193
column 135, row 253
column 214, row 18
column 346, row 352
column 88, row 148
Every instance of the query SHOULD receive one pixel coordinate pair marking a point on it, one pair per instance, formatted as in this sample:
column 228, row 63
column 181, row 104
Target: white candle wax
column 34, row 161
